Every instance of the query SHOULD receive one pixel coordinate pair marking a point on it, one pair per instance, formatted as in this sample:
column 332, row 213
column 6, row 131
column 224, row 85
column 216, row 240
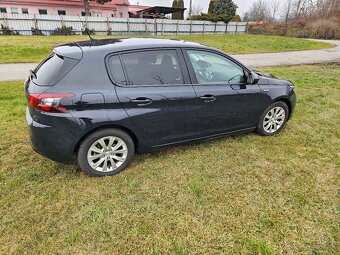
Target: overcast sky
column 243, row 5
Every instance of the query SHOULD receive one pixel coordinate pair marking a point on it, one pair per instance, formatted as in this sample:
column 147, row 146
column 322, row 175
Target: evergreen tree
column 245, row 17
column 180, row 5
column 225, row 7
column 212, row 5
column 174, row 5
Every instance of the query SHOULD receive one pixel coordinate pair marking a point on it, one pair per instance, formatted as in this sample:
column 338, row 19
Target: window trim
column 61, row 11
column 43, row 10
column 26, row 9
column 12, row 8
column 181, row 63
column 191, row 70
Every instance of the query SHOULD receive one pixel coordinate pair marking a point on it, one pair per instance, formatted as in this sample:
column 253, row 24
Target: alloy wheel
column 274, row 119
column 107, row 154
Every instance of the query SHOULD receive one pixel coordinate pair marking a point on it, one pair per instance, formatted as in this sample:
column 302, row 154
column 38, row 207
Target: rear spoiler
column 73, row 51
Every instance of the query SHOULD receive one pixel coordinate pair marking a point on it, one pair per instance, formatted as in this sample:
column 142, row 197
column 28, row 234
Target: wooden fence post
column 35, row 22
column 155, row 25
column 177, row 27
column 204, row 27
column 162, row 26
column 191, row 27
column 62, row 20
column 128, row 25
column 236, row 32
column 108, row 25
column 86, row 27
column 215, row 27
column 226, row 28
column 6, row 24
column 146, row 26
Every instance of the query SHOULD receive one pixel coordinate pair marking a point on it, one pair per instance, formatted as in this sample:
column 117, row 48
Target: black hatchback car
column 102, row 100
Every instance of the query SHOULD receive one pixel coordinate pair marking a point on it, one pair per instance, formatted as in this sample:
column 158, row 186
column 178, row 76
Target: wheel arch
column 287, row 102
column 128, row 131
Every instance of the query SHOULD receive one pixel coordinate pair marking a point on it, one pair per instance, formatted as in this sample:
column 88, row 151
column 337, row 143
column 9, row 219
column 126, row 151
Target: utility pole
column 190, row 8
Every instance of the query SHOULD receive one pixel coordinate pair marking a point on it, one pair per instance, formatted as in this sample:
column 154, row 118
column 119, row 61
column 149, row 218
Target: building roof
column 135, row 8
column 162, row 9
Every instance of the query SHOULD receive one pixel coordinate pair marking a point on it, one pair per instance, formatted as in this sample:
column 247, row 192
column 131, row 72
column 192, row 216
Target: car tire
column 105, row 152
column 273, row 119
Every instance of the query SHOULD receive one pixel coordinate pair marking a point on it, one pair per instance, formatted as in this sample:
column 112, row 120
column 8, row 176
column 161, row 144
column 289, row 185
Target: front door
column 157, row 95
column 226, row 102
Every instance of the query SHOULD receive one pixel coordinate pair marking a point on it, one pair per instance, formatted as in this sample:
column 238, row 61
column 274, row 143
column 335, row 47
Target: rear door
column 225, row 101
column 156, row 93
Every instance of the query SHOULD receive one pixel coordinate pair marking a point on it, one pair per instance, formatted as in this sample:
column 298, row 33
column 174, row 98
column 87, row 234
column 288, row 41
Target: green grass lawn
column 239, row 195
column 24, row 49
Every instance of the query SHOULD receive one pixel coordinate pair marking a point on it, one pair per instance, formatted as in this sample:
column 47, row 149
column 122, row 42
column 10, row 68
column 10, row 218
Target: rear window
column 153, row 67
column 53, row 69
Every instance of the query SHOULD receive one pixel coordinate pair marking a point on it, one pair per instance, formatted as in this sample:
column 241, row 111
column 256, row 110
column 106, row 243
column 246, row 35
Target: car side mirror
column 253, row 78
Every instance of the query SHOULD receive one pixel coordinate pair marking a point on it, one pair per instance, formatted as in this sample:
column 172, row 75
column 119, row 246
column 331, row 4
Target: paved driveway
column 330, row 55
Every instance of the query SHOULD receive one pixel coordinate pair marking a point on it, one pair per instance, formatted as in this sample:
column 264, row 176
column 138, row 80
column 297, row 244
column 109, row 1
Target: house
column 115, row 8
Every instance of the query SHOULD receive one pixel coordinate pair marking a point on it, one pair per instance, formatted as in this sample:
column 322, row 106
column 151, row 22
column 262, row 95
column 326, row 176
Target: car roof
column 114, row 45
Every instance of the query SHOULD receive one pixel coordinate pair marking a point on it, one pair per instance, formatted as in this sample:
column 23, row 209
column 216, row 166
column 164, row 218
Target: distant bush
column 320, row 29
column 63, row 31
column 36, row 31
column 267, row 29
column 7, row 31
column 88, row 31
column 236, row 18
column 212, row 17
column 323, row 29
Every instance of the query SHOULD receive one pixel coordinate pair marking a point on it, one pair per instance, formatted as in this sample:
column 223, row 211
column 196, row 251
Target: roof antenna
column 86, row 30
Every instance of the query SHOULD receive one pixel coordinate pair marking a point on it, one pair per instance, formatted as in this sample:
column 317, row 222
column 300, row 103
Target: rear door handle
column 208, row 98
column 141, row 101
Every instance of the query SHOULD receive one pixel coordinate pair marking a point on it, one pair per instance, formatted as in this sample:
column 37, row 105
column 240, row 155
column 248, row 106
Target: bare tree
column 326, row 8
column 286, row 11
column 274, row 8
column 259, row 10
column 196, row 9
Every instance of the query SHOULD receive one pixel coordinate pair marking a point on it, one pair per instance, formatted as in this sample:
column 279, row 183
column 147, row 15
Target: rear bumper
column 49, row 141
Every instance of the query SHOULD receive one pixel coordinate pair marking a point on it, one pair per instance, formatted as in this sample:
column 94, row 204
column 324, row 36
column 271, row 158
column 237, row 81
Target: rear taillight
column 49, row 102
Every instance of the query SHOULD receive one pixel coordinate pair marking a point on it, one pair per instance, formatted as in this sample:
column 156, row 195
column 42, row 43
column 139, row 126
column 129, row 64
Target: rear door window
column 153, row 67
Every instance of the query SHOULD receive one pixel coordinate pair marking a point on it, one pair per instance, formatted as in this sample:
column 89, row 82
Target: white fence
column 24, row 23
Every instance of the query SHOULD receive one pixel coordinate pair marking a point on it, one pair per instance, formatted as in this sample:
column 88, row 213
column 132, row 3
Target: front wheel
column 105, row 152
column 273, row 119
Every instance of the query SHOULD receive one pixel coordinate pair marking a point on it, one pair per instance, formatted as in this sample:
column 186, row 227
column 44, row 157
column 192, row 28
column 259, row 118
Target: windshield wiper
column 32, row 73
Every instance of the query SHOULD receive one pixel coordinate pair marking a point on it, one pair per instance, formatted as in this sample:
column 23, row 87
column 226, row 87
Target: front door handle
column 208, row 98
column 141, row 101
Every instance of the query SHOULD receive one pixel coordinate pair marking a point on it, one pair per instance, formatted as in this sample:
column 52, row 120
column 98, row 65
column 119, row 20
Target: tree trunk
column 87, row 8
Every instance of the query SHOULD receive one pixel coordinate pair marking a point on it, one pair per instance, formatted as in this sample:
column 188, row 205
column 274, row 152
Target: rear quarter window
column 53, row 69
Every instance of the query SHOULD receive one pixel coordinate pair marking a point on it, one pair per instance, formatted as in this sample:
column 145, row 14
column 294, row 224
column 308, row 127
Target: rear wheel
column 105, row 152
column 273, row 119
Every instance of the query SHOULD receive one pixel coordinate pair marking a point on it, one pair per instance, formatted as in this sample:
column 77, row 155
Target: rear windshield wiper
column 33, row 74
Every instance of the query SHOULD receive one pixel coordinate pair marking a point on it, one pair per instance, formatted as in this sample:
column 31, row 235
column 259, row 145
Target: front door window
column 212, row 68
